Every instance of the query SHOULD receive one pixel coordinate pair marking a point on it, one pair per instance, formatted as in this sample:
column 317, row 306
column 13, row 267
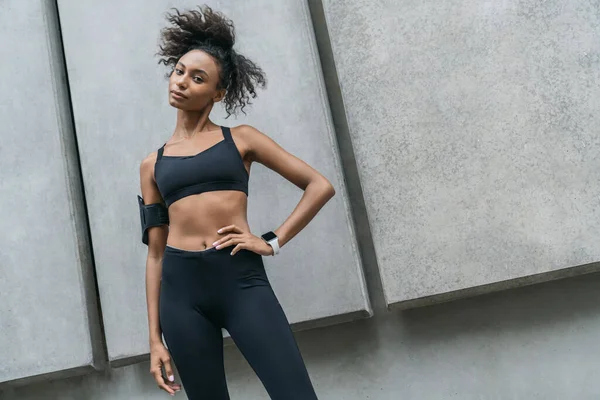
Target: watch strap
column 275, row 245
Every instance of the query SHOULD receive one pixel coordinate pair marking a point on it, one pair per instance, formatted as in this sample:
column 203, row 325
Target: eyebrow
column 196, row 69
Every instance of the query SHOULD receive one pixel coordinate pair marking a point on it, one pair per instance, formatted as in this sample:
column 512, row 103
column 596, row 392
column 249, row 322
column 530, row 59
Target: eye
column 178, row 71
column 197, row 79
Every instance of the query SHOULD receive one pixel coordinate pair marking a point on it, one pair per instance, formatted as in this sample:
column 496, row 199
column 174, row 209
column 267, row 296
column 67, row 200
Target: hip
column 211, row 268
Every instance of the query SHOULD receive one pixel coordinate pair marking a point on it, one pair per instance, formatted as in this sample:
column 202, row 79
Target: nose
column 180, row 81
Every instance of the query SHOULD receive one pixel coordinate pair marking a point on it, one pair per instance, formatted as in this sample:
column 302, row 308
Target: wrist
column 155, row 340
column 280, row 238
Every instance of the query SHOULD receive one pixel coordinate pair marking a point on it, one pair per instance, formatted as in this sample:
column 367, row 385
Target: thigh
column 260, row 329
column 196, row 347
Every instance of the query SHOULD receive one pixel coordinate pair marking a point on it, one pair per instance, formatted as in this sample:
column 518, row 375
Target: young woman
column 205, row 269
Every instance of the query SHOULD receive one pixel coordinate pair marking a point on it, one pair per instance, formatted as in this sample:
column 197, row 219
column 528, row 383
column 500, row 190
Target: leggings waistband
column 192, row 251
column 198, row 253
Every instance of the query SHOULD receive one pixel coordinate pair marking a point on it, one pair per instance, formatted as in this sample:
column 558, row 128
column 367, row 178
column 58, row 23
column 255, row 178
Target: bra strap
column 227, row 134
column 160, row 152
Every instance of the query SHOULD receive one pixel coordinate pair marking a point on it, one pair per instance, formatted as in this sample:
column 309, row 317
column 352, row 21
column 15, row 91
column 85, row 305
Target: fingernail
column 171, row 378
column 215, row 243
column 219, row 231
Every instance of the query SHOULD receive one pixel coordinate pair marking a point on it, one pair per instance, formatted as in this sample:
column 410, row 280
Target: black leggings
column 204, row 291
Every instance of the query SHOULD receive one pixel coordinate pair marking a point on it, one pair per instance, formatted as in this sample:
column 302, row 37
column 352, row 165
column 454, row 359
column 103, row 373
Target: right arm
column 157, row 240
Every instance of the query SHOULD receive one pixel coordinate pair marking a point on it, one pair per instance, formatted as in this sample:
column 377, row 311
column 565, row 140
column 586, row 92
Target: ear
column 220, row 95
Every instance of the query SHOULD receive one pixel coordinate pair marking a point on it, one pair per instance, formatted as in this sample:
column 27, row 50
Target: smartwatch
column 272, row 240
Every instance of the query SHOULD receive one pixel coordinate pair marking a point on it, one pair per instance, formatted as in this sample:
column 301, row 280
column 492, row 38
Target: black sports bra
column 219, row 167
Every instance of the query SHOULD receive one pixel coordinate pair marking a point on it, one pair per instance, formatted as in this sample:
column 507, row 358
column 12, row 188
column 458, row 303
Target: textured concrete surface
column 121, row 114
column 475, row 130
column 534, row 343
column 47, row 299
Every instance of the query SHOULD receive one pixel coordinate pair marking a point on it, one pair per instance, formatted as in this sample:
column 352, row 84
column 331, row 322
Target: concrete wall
column 48, row 315
column 475, row 131
column 121, row 114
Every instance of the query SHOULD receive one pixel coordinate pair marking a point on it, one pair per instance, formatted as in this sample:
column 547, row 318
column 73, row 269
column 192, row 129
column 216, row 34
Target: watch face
column 269, row 236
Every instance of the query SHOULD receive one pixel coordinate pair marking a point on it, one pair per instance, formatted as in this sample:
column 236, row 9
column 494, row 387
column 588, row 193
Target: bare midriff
column 194, row 220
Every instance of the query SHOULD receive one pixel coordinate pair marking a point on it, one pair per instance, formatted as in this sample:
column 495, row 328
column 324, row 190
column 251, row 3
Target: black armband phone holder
column 152, row 215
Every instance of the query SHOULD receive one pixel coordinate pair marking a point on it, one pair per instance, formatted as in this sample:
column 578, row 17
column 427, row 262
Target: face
column 194, row 82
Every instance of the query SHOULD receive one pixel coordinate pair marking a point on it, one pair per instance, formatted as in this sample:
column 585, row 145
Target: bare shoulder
column 147, row 165
column 247, row 139
column 148, row 161
column 254, row 141
column 246, row 133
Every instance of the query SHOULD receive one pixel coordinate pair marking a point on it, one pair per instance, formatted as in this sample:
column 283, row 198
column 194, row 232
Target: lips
column 178, row 94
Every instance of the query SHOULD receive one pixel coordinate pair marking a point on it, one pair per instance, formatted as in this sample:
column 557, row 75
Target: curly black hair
column 213, row 33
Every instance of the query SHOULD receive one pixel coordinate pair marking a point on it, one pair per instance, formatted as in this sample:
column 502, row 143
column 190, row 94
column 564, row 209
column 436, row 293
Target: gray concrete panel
column 47, row 296
column 121, row 114
column 475, row 131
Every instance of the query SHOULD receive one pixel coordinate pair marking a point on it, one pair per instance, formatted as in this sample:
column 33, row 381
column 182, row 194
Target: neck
column 190, row 123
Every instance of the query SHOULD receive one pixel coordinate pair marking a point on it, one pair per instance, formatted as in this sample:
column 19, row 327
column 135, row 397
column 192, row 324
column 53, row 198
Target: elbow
column 322, row 188
column 328, row 190
column 331, row 191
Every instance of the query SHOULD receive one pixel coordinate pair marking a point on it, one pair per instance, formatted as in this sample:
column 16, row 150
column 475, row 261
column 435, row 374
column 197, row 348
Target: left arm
column 317, row 189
